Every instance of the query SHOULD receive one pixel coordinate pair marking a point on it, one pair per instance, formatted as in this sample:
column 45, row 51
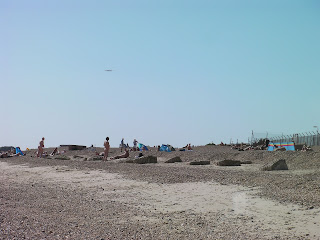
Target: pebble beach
column 81, row 198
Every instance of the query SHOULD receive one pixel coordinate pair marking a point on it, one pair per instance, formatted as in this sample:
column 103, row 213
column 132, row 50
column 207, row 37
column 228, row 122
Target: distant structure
column 7, row 148
column 73, row 147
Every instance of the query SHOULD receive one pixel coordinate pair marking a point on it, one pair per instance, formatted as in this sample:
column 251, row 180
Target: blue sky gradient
column 183, row 71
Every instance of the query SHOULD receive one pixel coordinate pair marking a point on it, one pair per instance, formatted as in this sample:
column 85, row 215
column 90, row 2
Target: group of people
column 123, row 147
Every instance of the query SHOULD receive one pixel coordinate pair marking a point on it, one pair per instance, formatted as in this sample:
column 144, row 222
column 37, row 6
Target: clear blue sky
column 183, row 71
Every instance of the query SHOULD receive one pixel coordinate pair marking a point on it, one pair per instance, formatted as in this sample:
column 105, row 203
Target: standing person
column 40, row 148
column 122, row 144
column 135, row 144
column 106, row 148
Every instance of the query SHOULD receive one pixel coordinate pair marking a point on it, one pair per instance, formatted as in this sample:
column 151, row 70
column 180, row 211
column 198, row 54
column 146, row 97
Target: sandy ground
column 112, row 200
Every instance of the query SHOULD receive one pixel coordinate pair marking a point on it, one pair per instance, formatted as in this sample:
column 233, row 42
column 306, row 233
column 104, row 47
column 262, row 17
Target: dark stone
column 278, row 165
column 200, row 163
column 229, row 163
column 173, row 160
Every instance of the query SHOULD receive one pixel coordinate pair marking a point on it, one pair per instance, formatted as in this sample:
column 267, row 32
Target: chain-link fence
column 309, row 139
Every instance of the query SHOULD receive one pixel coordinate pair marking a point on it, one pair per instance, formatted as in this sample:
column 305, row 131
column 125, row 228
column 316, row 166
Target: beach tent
column 166, row 148
column 289, row 146
column 142, row 147
column 19, row 151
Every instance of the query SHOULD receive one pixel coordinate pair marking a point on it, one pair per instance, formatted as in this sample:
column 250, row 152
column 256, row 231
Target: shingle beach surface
column 79, row 198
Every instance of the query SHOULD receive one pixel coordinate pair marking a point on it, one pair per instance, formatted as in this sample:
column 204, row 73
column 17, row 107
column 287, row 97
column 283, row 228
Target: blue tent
column 142, row 147
column 19, row 151
column 166, row 148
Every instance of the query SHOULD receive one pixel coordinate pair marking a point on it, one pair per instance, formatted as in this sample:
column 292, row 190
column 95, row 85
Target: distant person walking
column 40, row 148
column 106, row 148
column 122, row 145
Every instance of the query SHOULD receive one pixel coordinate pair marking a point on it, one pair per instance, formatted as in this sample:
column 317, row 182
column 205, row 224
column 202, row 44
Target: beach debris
column 173, row 160
column 62, row 157
column 229, row 163
column 277, row 165
column 144, row 160
column 306, row 148
column 200, row 163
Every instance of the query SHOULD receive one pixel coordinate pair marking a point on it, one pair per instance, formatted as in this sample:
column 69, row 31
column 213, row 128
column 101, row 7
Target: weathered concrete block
column 278, row 165
column 173, row 160
column 62, row 157
column 200, row 163
column 245, row 162
column 229, row 163
column 144, row 160
column 96, row 158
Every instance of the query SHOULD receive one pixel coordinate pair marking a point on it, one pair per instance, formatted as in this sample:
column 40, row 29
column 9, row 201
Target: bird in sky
column 108, row 70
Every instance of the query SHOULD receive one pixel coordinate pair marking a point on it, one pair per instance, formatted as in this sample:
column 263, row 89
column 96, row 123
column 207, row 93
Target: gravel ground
column 32, row 209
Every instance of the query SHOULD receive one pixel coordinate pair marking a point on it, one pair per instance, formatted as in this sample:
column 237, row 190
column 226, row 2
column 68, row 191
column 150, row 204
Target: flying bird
column 108, row 70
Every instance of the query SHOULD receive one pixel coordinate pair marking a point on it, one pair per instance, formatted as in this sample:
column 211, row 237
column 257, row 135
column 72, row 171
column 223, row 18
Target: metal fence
column 309, row 139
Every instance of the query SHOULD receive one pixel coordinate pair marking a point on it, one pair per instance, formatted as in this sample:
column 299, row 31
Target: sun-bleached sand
column 114, row 200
